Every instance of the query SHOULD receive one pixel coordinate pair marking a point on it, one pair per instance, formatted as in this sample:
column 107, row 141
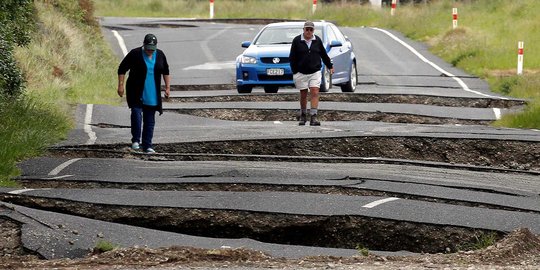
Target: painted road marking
column 458, row 80
column 206, row 49
column 59, row 177
column 278, row 123
column 62, row 166
column 213, row 66
column 121, row 42
column 20, row 191
column 379, row 202
column 87, row 127
column 497, row 113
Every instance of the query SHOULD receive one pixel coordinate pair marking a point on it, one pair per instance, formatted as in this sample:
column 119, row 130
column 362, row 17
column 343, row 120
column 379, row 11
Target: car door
column 341, row 55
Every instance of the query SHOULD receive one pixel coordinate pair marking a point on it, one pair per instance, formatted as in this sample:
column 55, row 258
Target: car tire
column 271, row 89
column 350, row 86
column 326, row 81
column 244, row 89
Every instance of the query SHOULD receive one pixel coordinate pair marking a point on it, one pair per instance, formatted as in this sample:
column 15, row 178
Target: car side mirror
column 335, row 43
column 246, row 44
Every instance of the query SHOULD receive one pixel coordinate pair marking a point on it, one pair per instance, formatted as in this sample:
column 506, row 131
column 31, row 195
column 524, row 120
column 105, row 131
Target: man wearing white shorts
column 307, row 50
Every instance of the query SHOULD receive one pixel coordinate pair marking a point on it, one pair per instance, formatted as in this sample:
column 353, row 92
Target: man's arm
column 120, row 90
column 167, row 79
column 326, row 59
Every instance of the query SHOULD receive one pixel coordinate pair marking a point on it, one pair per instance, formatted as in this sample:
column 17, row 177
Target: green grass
column 104, row 246
column 28, row 126
column 65, row 63
column 482, row 241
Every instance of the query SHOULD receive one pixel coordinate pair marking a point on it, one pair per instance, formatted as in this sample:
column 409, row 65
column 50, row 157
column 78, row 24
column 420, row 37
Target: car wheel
column 271, row 89
column 350, row 86
column 244, row 89
column 326, row 81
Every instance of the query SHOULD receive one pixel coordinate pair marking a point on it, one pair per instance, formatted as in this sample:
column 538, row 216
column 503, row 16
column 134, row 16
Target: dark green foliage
column 11, row 79
column 18, row 21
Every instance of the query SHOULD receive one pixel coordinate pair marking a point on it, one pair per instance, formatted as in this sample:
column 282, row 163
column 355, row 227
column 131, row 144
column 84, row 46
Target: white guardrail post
column 314, row 7
column 211, row 9
column 454, row 18
column 393, row 10
column 520, row 58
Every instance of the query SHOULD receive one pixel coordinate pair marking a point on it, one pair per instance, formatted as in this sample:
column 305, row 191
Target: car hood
column 268, row 50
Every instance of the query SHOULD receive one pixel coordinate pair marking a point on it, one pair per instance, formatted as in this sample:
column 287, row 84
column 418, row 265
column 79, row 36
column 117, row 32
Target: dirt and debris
column 289, row 229
column 471, row 152
column 350, row 97
column 290, row 115
column 518, row 250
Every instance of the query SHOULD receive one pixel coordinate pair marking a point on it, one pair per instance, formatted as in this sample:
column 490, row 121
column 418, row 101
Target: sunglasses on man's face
column 308, row 29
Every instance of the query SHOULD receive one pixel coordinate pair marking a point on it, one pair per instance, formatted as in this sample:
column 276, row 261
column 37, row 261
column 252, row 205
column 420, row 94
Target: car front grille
column 264, row 77
column 270, row 60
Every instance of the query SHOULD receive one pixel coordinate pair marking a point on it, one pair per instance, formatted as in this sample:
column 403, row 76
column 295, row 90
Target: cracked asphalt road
column 61, row 213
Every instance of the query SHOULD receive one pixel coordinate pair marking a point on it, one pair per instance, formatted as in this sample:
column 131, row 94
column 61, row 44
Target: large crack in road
column 356, row 98
column 350, row 232
column 475, row 152
column 309, row 230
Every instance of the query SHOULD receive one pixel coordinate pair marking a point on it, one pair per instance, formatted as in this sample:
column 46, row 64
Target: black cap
column 150, row 42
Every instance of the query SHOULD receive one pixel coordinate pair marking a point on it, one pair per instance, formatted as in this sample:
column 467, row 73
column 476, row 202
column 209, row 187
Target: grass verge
column 67, row 62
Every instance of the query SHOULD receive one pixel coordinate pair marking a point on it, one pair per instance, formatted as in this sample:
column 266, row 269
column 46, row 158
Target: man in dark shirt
column 307, row 50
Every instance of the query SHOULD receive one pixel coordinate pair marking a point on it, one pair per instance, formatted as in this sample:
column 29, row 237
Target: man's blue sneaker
column 135, row 146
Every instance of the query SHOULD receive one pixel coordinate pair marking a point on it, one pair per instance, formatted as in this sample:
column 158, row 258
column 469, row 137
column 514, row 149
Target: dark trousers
column 144, row 118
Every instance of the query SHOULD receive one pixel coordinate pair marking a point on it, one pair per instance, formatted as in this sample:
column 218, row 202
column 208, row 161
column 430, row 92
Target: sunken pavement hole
column 10, row 234
column 291, row 115
column 307, row 230
column 517, row 155
column 352, row 98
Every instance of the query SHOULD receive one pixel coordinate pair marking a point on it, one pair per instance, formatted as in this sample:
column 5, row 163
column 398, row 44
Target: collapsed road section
column 502, row 154
column 347, row 226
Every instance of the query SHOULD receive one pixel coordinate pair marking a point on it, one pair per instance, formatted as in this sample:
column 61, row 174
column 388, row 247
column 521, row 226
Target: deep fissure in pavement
column 249, row 187
column 10, row 233
column 308, row 230
column 506, row 154
column 355, row 98
column 330, row 115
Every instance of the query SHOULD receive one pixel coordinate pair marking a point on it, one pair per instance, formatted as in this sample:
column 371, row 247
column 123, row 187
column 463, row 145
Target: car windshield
column 280, row 35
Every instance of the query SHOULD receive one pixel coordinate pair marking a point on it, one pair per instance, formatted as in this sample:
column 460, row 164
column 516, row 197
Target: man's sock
column 313, row 111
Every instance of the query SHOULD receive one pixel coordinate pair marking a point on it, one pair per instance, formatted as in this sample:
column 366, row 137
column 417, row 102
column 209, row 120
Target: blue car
column 265, row 62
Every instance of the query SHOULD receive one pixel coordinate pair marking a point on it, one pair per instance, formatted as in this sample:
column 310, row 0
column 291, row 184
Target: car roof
column 296, row 24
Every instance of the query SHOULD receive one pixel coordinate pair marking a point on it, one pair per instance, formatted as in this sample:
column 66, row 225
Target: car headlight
column 248, row 60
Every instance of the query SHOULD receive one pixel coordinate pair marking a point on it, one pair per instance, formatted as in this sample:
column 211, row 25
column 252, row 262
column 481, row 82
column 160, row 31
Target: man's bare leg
column 314, row 93
column 303, row 107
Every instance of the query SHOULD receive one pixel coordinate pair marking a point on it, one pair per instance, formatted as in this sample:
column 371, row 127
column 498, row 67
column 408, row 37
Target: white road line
column 497, row 113
column 62, row 166
column 204, row 45
column 379, row 202
column 278, row 123
column 87, row 127
column 121, row 42
column 20, row 191
column 458, row 80
column 59, row 177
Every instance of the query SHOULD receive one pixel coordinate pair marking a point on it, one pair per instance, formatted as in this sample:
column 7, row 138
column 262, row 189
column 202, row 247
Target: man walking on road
column 146, row 65
column 307, row 50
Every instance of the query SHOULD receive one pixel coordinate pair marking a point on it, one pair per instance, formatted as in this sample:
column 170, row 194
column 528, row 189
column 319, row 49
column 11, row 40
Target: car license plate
column 275, row 72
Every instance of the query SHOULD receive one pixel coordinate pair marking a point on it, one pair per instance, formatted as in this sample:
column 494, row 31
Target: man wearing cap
column 305, row 56
column 146, row 66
